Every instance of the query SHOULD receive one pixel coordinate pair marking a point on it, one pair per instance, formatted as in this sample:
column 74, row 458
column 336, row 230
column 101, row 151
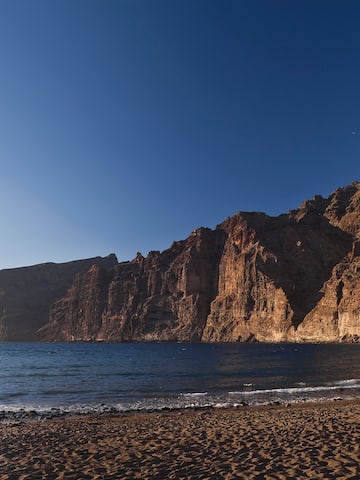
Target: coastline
column 306, row 440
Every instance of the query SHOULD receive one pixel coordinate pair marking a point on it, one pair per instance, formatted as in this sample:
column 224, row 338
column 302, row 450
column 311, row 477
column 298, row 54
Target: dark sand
column 304, row 441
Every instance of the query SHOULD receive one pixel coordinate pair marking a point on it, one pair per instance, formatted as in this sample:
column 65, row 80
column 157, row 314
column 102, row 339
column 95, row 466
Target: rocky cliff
column 294, row 277
column 27, row 294
column 336, row 316
column 165, row 296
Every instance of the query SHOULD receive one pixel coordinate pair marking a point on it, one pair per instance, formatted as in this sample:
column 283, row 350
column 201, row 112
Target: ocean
column 53, row 379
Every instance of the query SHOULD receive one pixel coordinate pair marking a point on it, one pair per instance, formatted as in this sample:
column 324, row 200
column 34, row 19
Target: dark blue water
column 96, row 377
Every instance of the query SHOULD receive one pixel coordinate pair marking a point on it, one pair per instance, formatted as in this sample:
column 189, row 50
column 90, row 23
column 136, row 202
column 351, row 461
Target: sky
column 126, row 124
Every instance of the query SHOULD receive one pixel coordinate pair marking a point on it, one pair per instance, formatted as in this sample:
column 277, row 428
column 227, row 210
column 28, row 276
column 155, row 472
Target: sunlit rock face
column 271, row 274
column 336, row 317
column 293, row 278
column 165, row 296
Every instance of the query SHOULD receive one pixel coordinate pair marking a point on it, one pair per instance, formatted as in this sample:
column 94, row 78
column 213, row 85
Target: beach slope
column 315, row 441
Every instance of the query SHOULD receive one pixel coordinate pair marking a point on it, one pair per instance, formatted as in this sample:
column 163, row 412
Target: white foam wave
column 302, row 393
column 194, row 394
column 343, row 384
column 352, row 382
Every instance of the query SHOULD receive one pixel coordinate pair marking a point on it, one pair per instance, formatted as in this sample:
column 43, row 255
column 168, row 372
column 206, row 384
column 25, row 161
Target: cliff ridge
column 293, row 278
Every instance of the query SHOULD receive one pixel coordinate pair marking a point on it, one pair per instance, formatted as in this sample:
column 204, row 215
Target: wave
column 339, row 385
column 194, row 394
column 350, row 382
column 348, row 389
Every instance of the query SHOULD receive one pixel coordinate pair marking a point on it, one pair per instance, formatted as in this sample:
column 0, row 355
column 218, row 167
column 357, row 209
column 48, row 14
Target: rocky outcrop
column 336, row 317
column 27, row 294
column 294, row 277
column 271, row 273
column 165, row 296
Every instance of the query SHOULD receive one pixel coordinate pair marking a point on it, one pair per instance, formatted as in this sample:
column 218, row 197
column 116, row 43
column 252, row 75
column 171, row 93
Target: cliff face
column 289, row 278
column 270, row 275
column 27, row 294
column 336, row 317
column 165, row 296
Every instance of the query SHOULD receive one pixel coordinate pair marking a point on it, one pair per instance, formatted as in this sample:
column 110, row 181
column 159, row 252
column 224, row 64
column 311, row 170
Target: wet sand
column 278, row 442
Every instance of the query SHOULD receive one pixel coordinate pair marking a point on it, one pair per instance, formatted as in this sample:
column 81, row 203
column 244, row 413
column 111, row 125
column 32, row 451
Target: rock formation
column 27, row 294
column 336, row 317
column 165, row 296
column 294, row 278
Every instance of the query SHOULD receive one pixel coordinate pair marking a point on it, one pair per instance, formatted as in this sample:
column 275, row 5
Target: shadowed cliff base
column 27, row 294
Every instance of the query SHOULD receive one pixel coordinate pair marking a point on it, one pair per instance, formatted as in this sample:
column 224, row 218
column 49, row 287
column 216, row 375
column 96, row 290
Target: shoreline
column 24, row 414
column 302, row 440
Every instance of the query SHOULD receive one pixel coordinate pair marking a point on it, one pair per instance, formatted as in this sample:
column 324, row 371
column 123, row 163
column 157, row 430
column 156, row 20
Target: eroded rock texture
column 294, row 277
column 165, row 296
column 27, row 294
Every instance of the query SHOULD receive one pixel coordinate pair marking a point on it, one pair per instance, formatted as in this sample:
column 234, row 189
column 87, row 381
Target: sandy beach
column 277, row 442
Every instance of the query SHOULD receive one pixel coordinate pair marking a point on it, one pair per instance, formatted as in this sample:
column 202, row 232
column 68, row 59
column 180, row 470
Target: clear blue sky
column 126, row 124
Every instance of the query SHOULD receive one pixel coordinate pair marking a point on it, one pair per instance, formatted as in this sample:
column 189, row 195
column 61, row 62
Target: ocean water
column 61, row 378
